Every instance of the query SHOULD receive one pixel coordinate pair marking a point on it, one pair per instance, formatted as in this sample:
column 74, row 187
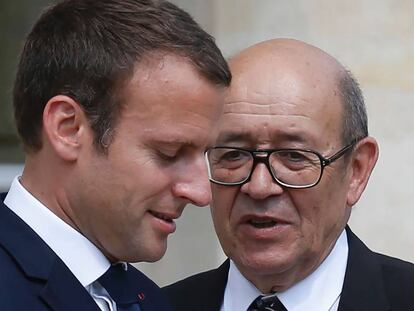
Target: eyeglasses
column 291, row 168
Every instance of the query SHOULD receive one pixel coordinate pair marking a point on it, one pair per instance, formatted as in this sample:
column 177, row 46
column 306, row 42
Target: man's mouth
column 263, row 227
column 164, row 221
column 262, row 223
column 162, row 216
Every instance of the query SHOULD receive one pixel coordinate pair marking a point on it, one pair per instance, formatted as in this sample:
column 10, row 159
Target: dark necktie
column 120, row 285
column 267, row 303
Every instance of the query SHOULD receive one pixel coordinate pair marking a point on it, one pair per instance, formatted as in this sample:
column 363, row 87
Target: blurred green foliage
column 16, row 19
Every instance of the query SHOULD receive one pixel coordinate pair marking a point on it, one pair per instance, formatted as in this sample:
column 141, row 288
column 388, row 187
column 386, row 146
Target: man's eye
column 231, row 159
column 294, row 156
column 167, row 155
column 233, row 155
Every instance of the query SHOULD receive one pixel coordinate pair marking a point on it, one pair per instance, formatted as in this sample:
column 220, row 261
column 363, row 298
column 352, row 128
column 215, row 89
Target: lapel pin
column 141, row 296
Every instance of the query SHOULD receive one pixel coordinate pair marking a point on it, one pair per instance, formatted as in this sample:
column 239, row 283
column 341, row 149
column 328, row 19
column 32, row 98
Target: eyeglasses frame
column 263, row 155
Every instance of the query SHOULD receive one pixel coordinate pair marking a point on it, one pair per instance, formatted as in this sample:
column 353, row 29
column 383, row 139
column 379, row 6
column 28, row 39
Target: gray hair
column 355, row 121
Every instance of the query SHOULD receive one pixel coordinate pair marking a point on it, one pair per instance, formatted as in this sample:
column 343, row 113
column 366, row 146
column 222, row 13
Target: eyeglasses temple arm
column 339, row 154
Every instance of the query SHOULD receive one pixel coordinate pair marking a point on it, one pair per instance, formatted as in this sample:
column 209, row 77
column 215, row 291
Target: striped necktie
column 266, row 303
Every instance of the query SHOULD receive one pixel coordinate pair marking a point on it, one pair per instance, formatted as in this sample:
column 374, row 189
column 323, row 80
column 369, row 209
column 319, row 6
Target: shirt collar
column 239, row 292
column 318, row 291
column 80, row 255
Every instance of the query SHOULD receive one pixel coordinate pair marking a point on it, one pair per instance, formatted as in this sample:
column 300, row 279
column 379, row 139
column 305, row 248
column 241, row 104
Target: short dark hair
column 355, row 121
column 87, row 48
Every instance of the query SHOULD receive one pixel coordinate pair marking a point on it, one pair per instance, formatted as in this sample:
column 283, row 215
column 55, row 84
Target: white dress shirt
column 83, row 258
column 320, row 291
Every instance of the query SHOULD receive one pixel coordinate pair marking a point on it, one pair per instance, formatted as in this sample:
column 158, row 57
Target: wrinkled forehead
column 289, row 96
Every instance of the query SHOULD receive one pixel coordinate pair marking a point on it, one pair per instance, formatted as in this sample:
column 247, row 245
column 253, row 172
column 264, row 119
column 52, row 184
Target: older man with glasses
column 292, row 158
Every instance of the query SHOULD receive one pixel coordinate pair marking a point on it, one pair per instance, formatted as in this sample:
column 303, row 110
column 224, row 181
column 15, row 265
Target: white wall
column 7, row 173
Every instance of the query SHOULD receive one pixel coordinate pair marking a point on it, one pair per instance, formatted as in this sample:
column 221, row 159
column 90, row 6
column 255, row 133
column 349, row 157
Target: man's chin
column 152, row 254
column 265, row 264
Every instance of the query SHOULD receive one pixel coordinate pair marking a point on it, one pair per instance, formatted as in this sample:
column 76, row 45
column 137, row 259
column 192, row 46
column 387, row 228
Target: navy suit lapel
column 363, row 286
column 64, row 292
column 201, row 292
column 148, row 293
column 61, row 290
column 213, row 293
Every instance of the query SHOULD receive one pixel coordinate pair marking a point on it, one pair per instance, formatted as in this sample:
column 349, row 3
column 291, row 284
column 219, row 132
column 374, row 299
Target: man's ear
column 64, row 123
column 362, row 163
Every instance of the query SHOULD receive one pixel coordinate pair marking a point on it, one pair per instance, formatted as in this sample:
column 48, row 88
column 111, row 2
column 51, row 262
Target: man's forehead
column 274, row 67
column 276, row 123
column 244, row 135
column 268, row 107
column 283, row 90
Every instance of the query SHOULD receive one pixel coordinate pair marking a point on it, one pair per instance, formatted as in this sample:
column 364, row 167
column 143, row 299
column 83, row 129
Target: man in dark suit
column 293, row 157
column 115, row 102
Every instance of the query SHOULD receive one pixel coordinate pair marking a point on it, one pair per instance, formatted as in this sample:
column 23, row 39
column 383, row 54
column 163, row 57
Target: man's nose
column 193, row 185
column 261, row 184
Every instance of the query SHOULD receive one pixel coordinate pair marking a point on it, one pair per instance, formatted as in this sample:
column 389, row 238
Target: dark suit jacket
column 373, row 282
column 33, row 278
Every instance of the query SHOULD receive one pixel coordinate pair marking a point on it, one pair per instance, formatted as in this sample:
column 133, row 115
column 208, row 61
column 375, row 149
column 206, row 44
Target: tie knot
column 267, row 303
column 119, row 283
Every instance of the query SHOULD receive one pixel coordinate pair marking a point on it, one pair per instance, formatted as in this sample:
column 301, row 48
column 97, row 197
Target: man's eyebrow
column 231, row 137
column 173, row 143
column 248, row 137
column 290, row 137
column 181, row 143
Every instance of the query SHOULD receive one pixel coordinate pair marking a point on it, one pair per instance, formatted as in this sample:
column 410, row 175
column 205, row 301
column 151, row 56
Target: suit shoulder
column 185, row 295
column 398, row 276
column 18, row 292
column 9, row 269
column 397, row 270
column 208, row 286
column 190, row 284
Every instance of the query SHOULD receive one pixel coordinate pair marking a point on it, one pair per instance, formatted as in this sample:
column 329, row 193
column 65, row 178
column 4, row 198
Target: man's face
column 126, row 200
column 270, row 232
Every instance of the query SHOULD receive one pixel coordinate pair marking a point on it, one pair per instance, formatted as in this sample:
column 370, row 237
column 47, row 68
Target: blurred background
column 374, row 39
